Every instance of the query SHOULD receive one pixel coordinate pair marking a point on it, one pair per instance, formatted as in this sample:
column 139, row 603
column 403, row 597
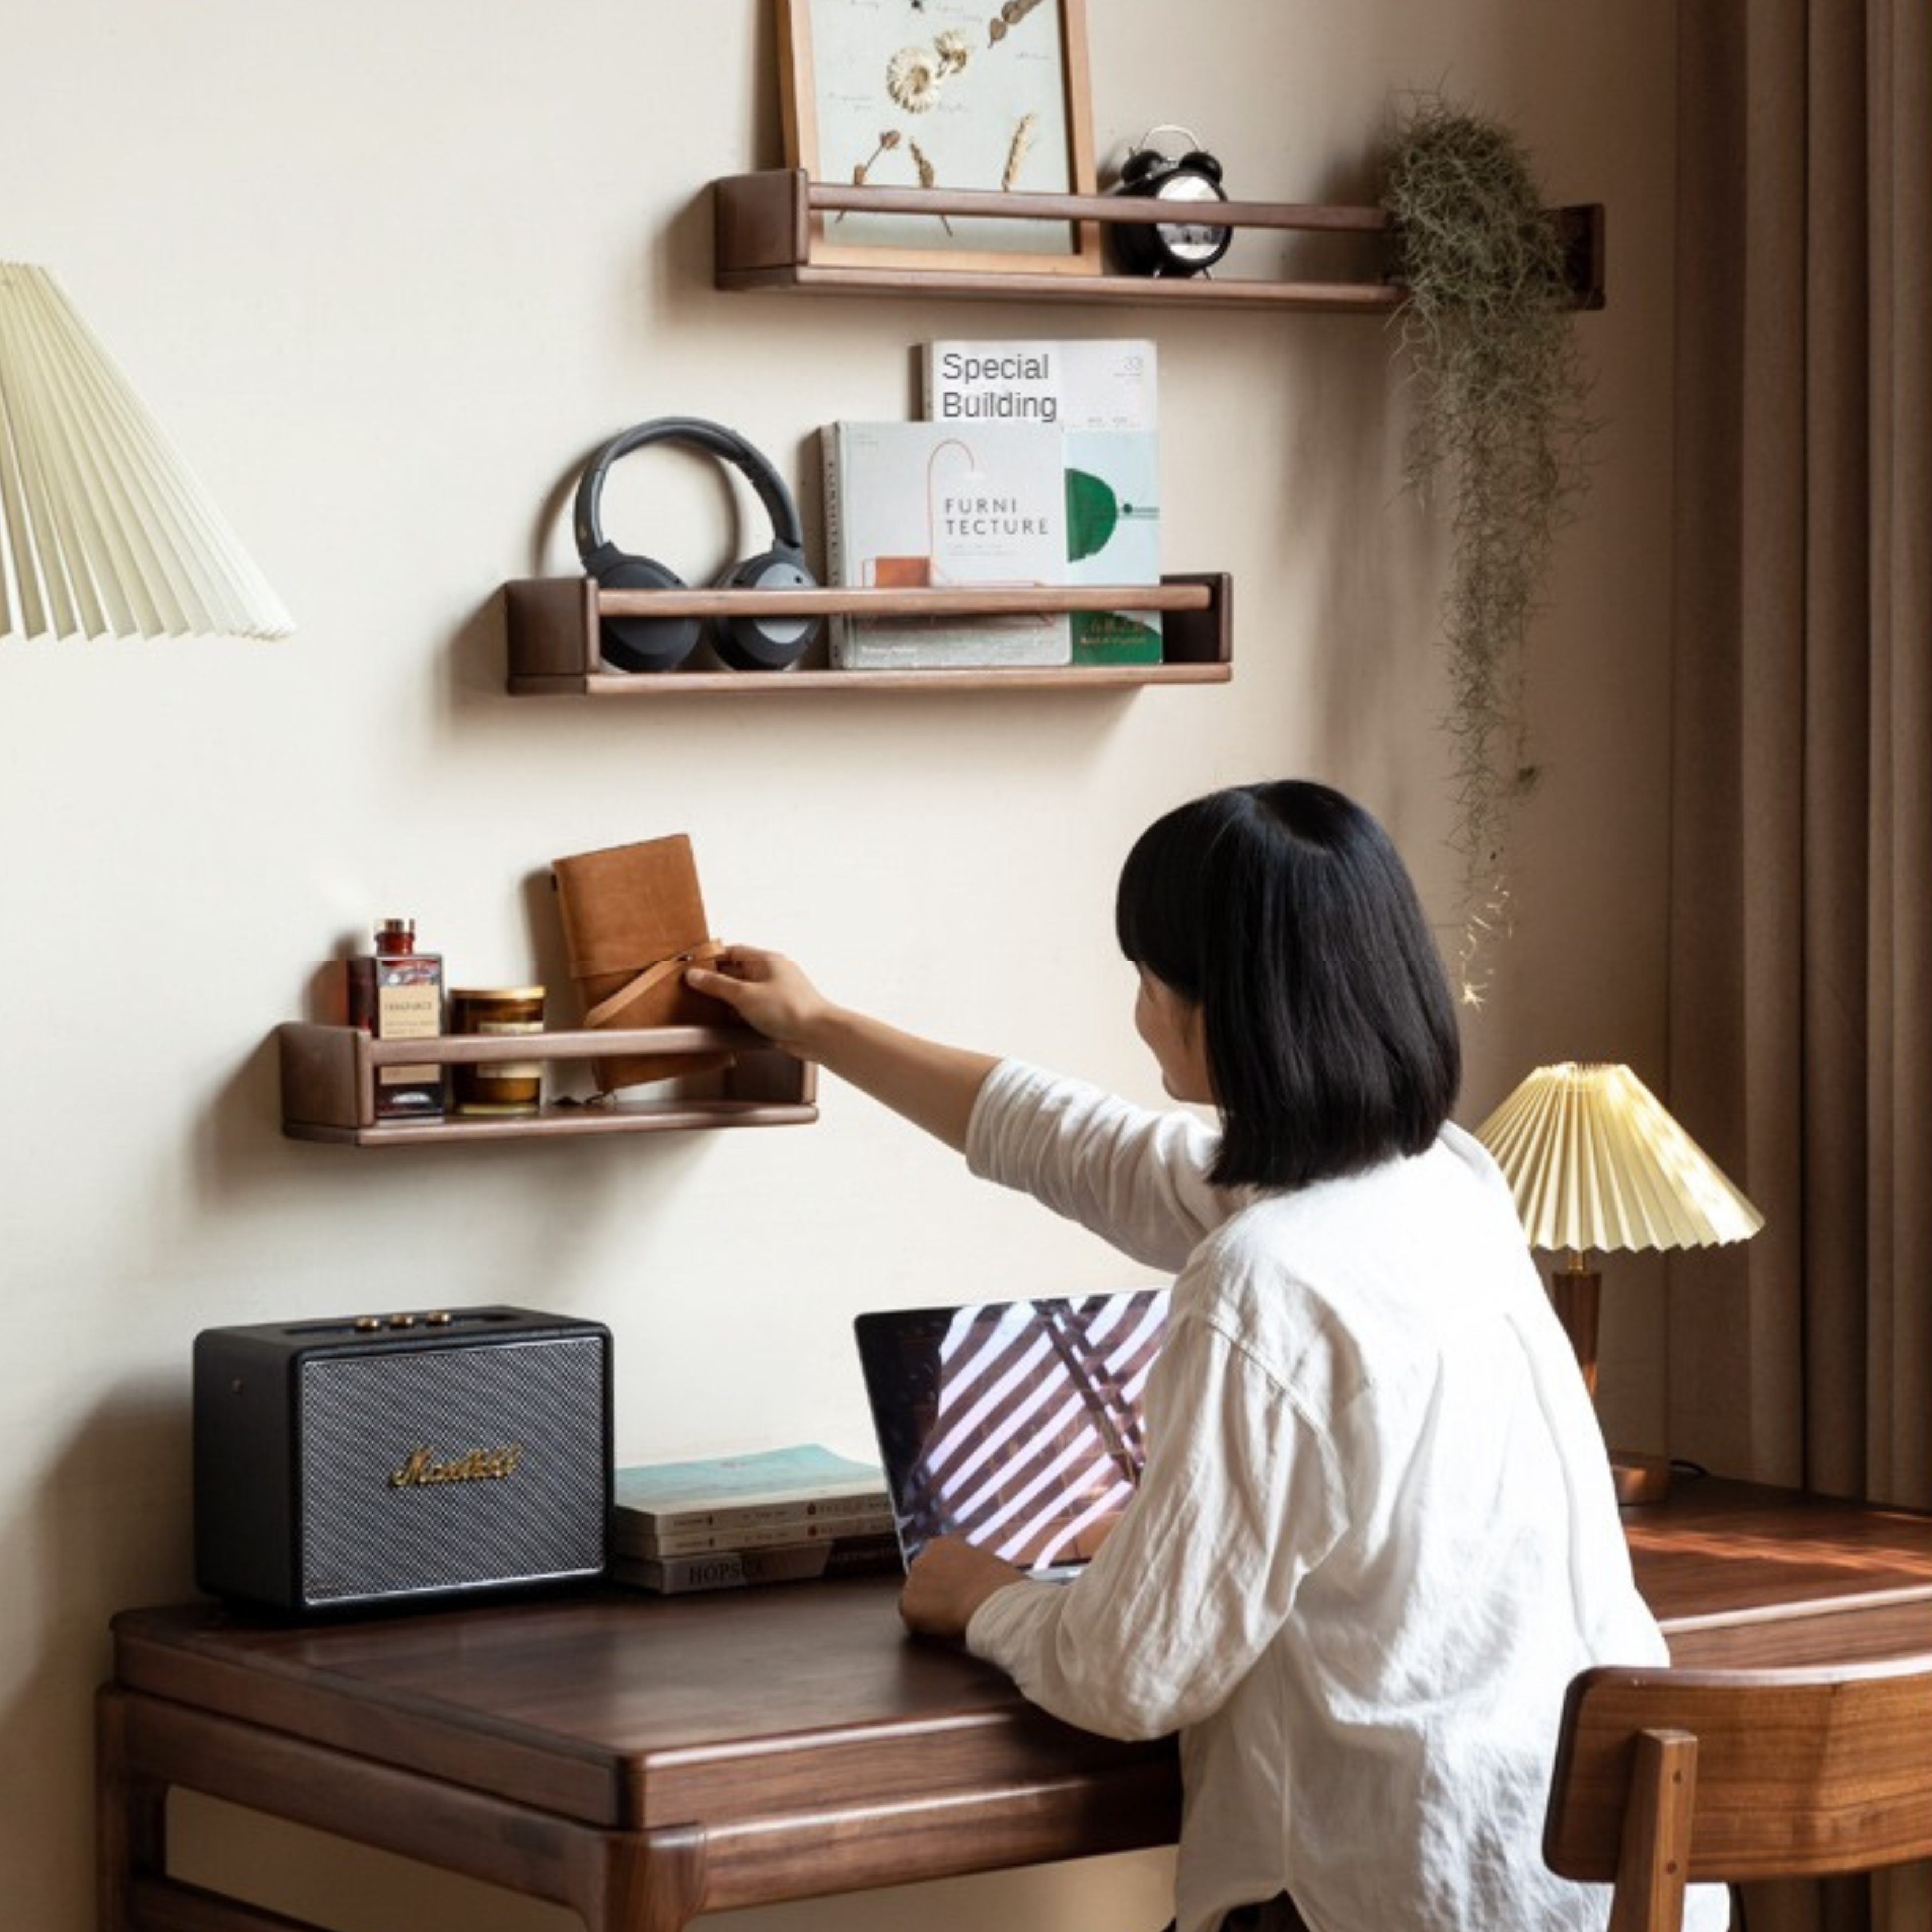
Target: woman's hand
column 767, row 991
column 948, row 1580
column 932, row 1085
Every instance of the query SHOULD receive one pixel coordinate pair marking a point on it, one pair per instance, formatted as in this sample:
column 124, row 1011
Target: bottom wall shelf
column 330, row 1074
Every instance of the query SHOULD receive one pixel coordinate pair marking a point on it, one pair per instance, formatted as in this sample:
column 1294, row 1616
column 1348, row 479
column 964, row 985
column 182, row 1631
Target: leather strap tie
column 605, row 1012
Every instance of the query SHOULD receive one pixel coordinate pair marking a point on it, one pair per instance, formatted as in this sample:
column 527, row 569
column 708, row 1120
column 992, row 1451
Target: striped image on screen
column 1017, row 1425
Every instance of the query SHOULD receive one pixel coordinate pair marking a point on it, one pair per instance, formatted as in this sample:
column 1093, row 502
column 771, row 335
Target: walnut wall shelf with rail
column 765, row 226
column 329, row 1075
column 551, row 624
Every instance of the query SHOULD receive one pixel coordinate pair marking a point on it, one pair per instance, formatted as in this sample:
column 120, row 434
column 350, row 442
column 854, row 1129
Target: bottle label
column 408, row 1012
column 409, row 1006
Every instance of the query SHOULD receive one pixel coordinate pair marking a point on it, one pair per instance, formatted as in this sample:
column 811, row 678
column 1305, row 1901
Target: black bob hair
column 1282, row 912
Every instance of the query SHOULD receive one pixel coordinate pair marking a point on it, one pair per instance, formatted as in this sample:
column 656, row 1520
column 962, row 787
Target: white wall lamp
column 104, row 531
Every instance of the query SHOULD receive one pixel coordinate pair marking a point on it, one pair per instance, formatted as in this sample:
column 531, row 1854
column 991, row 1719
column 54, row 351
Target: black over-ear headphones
column 746, row 642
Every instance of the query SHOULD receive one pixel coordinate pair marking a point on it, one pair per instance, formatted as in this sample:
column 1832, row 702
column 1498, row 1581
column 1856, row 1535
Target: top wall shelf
column 765, row 225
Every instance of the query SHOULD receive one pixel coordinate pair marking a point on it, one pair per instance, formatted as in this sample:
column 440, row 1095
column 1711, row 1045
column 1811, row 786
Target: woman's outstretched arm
column 933, row 1086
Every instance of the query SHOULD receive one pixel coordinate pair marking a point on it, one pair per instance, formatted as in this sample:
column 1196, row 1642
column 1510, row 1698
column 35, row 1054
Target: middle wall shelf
column 552, row 625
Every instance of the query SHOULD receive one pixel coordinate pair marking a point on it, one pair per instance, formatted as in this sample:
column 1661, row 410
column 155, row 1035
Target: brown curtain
column 1801, row 984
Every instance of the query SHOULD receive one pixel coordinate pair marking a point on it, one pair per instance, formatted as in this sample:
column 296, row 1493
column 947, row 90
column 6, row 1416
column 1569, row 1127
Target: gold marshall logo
column 479, row 1466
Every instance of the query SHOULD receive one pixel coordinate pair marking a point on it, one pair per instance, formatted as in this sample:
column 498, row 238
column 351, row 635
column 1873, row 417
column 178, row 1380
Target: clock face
column 1193, row 245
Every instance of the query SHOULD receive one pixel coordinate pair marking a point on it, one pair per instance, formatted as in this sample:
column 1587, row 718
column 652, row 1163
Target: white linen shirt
column 1376, row 1538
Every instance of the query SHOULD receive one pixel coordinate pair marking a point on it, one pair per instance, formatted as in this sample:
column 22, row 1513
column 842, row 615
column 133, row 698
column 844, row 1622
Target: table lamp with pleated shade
column 104, row 531
column 1595, row 1162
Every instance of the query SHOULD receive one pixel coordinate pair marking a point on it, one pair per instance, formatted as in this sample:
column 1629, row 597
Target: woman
column 1375, row 1536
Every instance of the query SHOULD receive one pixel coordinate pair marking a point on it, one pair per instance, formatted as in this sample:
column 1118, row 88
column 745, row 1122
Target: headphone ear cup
column 749, row 643
column 645, row 644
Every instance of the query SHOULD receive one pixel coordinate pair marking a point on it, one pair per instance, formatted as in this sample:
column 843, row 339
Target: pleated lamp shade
column 104, row 531
column 1594, row 1161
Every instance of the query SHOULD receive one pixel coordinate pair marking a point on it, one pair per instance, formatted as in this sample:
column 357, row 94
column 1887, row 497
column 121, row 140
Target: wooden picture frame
column 947, row 94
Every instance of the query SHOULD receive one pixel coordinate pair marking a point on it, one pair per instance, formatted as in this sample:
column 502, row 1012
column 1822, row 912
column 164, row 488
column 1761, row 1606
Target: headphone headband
column 748, row 640
column 695, row 432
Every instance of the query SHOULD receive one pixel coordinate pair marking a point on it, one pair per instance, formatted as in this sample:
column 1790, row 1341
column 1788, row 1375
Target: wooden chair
column 1665, row 1778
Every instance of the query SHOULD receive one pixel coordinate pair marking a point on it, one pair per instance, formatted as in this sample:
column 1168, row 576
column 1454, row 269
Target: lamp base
column 1575, row 1290
column 1639, row 1479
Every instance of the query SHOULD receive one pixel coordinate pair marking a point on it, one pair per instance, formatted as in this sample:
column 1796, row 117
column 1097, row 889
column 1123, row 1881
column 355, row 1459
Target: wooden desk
column 643, row 1759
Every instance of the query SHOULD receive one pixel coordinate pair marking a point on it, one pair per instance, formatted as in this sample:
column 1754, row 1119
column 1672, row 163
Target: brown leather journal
column 633, row 919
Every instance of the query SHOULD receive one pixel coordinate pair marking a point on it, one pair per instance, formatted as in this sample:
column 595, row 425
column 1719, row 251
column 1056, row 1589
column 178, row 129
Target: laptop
column 1014, row 1424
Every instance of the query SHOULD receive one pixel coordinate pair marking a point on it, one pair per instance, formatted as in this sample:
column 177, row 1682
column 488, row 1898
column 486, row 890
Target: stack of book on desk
column 777, row 1515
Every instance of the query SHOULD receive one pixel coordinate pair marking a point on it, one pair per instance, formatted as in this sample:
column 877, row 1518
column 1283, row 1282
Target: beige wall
column 387, row 273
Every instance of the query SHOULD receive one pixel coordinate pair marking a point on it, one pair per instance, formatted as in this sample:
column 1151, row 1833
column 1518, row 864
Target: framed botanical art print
column 942, row 95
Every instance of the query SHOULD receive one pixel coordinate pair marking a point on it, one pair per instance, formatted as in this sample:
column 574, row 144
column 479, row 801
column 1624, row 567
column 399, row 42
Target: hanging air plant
column 1500, row 426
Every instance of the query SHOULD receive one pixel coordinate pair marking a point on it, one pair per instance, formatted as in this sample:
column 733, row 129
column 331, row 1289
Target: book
column 759, row 1489
column 631, row 1540
column 768, row 1522
column 1103, row 382
column 1103, row 396
column 863, row 1555
column 922, row 505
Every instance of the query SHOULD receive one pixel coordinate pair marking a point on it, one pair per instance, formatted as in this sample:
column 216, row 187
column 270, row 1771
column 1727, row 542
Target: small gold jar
column 496, row 1086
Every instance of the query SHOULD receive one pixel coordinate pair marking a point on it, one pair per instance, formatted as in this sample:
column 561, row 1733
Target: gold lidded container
column 496, row 1086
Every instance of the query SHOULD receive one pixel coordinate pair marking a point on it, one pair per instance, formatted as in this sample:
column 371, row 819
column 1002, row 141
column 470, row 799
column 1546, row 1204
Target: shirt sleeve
column 1136, row 1177
column 1239, row 1500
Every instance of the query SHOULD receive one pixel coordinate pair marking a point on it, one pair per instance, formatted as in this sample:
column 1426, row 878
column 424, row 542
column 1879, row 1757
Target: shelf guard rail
column 766, row 226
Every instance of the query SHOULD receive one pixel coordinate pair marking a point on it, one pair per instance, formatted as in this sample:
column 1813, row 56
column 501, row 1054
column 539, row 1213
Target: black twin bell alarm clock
column 1184, row 247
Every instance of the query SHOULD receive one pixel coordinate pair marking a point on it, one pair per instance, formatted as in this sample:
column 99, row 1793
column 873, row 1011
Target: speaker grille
column 538, row 1406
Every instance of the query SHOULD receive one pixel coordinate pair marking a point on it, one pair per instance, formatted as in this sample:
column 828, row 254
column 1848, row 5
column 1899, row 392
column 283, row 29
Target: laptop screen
column 1015, row 1425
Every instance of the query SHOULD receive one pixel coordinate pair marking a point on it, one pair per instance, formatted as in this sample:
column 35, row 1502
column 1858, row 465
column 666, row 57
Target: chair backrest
column 1665, row 1778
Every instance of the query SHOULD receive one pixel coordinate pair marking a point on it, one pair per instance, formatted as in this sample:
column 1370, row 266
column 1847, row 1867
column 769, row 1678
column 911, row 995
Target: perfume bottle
column 396, row 993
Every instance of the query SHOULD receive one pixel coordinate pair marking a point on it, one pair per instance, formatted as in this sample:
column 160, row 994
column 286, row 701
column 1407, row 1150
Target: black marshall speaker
column 373, row 1459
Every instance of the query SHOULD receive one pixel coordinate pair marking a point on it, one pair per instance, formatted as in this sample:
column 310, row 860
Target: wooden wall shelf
column 329, row 1084
column 765, row 226
column 552, row 625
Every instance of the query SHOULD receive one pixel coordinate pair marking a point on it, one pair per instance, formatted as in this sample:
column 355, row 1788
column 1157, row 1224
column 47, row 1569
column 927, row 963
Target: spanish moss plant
column 1499, row 427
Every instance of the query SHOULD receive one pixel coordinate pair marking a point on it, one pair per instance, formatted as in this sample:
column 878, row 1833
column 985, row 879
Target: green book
column 796, row 1485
